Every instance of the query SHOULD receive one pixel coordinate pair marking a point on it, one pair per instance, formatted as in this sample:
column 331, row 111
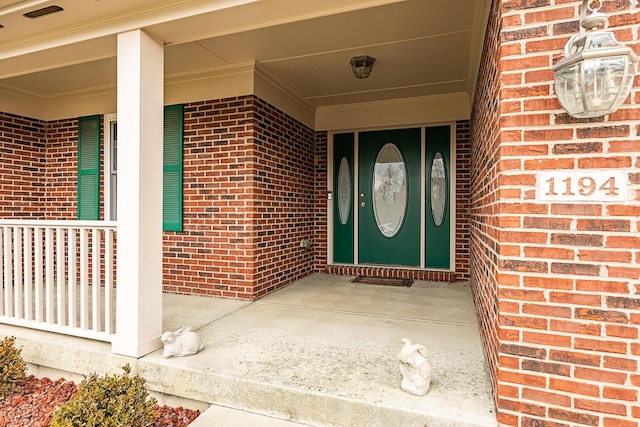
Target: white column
column 140, row 134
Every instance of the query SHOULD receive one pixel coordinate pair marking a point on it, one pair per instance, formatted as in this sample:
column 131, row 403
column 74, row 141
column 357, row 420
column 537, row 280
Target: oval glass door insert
column 438, row 189
column 389, row 190
column 344, row 191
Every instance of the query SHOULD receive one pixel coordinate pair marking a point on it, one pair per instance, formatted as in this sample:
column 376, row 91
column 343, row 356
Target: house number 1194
column 582, row 186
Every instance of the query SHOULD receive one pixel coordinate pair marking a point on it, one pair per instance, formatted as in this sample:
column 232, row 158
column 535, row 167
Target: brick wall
column 463, row 200
column 61, row 199
column 61, row 175
column 248, row 193
column 248, row 201
column 254, row 187
column 567, row 274
column 485, row 166
column 320, row 227
column 283, row 198
column 22, row 167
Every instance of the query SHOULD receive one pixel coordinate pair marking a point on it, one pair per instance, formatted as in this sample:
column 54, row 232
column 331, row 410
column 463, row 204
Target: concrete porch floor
column 321, row 351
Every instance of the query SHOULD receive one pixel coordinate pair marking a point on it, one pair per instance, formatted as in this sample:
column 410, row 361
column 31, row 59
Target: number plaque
column 582, row 186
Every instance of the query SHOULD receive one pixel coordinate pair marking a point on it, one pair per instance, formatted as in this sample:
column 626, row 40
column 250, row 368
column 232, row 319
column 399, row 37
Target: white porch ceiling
column 422, row 47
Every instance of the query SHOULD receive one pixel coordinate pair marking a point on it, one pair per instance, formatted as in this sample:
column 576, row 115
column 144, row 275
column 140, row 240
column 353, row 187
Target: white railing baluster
column 48, row 278
column 95, row 281
column 28, row 273
column 3, row 263
column 39, row 274
column 109, row 318
column 47, row 269
column 73, row 279
column 18, row 302
column 84, row 279
column 8, row 273
column 60, row 276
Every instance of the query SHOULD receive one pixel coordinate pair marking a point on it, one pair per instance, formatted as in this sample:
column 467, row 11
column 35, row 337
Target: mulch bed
column 33, row 405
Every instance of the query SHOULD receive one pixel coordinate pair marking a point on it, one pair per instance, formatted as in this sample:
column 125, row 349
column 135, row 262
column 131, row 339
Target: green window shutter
column 89, row 167
column 172, row 168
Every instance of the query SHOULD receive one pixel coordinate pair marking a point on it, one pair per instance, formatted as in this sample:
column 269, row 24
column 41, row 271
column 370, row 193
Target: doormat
column 383, row 281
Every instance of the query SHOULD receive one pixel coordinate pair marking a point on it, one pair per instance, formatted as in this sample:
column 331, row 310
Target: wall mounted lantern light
column 362, row 65
column 596, row 74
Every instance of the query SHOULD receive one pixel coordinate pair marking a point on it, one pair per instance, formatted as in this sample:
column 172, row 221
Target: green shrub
column 12, row 367
column 109, row 401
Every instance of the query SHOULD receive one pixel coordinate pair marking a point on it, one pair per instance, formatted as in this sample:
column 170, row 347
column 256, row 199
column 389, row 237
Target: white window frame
column 109, row 121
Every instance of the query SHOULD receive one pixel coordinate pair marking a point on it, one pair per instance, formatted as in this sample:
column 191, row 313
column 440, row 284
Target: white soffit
column 397, row 112
column 424, row 49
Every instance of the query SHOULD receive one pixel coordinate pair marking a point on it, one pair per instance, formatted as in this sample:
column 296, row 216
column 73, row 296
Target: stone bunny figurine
column 182, row 342
column 415, row 366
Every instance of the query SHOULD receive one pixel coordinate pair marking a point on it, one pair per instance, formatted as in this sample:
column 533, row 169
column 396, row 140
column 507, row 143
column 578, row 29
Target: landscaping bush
column 12, row 367
column 109, row 401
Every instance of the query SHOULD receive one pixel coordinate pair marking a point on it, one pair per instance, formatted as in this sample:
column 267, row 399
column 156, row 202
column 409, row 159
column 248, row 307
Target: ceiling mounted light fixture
column 362, row 65
column 595, row 76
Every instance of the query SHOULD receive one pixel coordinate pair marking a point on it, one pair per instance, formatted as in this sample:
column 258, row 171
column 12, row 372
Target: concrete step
column 219, row 416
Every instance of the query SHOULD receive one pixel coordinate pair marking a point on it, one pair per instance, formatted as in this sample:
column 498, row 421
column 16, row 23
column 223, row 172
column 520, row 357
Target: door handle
column 361, row 194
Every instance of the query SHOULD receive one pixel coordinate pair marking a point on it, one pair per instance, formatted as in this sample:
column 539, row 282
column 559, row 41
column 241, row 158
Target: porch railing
column 59, row 276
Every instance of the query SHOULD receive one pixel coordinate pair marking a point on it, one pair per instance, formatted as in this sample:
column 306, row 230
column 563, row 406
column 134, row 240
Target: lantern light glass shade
column 361, row 66
column 595, row 77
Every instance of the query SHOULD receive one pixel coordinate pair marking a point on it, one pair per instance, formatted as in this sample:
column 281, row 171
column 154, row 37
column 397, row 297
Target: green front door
column 388, row 199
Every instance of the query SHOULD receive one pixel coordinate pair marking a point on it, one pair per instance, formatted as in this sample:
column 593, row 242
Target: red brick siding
column 61, row 200
column 62, row 169
column 567, row 274
column 320, row 242
column 484, row 232
column 248, row 201
column 243, row 217
column 248, row 193
column 22, row 167
column 283, row 198
column 463, row 200
column 39, row 162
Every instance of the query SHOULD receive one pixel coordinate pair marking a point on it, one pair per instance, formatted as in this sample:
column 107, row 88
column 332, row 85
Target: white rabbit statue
column 415, row 366
column 182, row 342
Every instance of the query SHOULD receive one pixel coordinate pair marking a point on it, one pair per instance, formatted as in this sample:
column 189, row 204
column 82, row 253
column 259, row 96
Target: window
column 89, row 167
column 110, row 166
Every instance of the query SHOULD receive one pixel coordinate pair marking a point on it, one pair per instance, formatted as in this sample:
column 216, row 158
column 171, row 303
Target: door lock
column 362, row 204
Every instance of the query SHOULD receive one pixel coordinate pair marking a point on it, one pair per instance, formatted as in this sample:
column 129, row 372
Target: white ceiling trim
column 461, row 96
column 21, row 104
column 397, row 112
column 483, row 8
column 280, row 85
column 382, row 90
column 19, row 7
column 205, row 74
column 121, row 23
column 69, row 95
